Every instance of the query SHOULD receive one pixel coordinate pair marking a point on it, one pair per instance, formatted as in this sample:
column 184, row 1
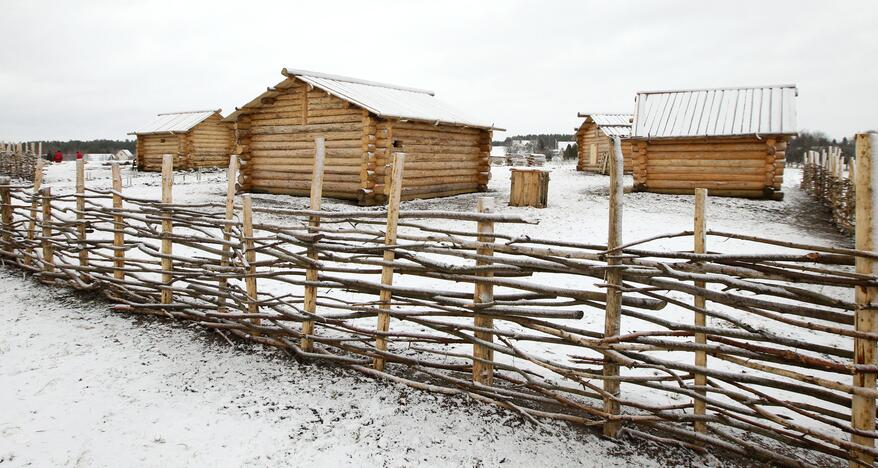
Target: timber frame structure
column 731, row 141
column 196, row 139
column 363, row 123
column 594, row 140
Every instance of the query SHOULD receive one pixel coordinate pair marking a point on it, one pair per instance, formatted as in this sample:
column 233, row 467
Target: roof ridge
column 726, row 88
column 290, row 72
column 190, row 112
column 586, row 114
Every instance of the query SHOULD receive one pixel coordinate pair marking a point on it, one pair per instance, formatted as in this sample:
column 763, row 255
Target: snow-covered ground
column 86, row 386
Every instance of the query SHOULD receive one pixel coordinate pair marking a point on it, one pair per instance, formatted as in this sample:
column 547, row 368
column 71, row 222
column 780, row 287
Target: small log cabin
column 197, row 139
column 594, row 139
column 363, row 122
column 731, row 141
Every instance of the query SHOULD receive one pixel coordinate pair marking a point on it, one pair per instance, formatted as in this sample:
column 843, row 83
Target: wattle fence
column 766, row 351
column 829, row 179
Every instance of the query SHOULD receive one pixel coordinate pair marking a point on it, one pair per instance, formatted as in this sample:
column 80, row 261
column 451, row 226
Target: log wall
column 737, row 167
column 276, row 143
column 589, row 134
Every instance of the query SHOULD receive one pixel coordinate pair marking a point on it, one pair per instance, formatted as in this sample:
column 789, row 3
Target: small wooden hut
column 363, row 123
column 196, row 139
column 594, row 139
column 729, row 140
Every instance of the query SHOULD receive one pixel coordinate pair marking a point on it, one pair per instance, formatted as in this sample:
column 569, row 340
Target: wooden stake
column 6, row 214
column 613, row 317
column 231, row 178
column 80, row 213
column 250, row 256
column 48, row 249
column 389, row 239
column 484, row 294
column 312, row 274
column 700, row 231
column 167, row 229
column 863, row 407
column 118, row 225
column 32, row 225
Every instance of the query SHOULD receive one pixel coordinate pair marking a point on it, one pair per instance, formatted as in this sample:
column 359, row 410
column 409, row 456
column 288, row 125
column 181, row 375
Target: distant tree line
column 88, row 146
column 808, row 140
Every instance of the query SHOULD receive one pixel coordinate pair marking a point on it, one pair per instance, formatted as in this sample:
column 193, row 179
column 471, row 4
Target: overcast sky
column 98, row 69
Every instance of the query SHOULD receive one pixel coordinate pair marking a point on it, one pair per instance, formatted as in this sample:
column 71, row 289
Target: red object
column 58, row 156
column 78, row 155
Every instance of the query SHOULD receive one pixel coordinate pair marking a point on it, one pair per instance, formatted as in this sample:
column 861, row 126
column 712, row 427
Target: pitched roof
column 758, row 110
column 611, row 124
column 381, row 99
column 175, row 122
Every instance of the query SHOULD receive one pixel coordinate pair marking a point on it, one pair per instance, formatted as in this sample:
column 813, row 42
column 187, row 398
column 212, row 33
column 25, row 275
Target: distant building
column 731, row 141
column 98, row 156
column 195, row 139
column 594, row 140
column 123, row 155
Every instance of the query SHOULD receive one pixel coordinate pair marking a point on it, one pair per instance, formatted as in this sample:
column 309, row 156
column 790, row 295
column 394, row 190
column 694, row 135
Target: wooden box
column 530, row 187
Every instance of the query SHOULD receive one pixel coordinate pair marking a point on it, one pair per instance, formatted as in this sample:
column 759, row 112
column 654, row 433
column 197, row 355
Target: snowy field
column 85, row 387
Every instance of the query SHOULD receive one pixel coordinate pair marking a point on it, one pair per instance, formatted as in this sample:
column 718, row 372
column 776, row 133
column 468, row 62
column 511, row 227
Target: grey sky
column 98, row 69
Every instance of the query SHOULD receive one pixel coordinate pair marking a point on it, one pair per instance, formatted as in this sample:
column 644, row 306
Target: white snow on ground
column 82, row 386
column 193, row 393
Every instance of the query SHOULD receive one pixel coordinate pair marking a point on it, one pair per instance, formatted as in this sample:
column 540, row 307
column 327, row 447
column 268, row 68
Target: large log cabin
column 197, row 139
column 363, row 123
column 731, row 141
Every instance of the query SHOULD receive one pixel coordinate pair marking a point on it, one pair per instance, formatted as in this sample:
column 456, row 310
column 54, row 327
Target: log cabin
column 197, row 139
column 594, row 139
column 363, row 123
column 731, row 141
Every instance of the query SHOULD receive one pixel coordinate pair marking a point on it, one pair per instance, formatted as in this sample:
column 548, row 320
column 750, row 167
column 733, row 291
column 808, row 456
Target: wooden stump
column 530, row 187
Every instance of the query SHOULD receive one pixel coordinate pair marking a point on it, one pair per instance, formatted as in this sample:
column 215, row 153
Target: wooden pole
column 118, row 225
column 6, row 216
column 483, row 372
column 80, row 214
column 389, row 239
column 231, row 179
column 167, row 229
column 48, row 249
column 700, row 231
column 32, row 225
column 312, row 274
column 863, row 407
column 250, row 256
column 613, row 317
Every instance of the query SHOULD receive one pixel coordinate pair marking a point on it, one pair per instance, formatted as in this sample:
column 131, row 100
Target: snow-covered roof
column 381, row 99
column 563, row 145
column 612, row 124
column 758, row 110
column 174, row 122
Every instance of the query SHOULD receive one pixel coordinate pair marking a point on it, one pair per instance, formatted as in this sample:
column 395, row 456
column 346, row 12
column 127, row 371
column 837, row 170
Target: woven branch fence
column 767, row 355
column 830, row 180
column 19, row 160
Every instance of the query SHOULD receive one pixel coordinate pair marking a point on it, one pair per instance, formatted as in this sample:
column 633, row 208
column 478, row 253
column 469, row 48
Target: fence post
column 80, row 216
column 613, row 317
column 389, row 239
column 48, row 249
column 311, row 274
column 32, row 225
column 483, row 372
column 250, row 256
column 700, row 319
column 118, row 225
column 167, row 229
column 6, row 216
column 231, row 179
column 863, row 407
